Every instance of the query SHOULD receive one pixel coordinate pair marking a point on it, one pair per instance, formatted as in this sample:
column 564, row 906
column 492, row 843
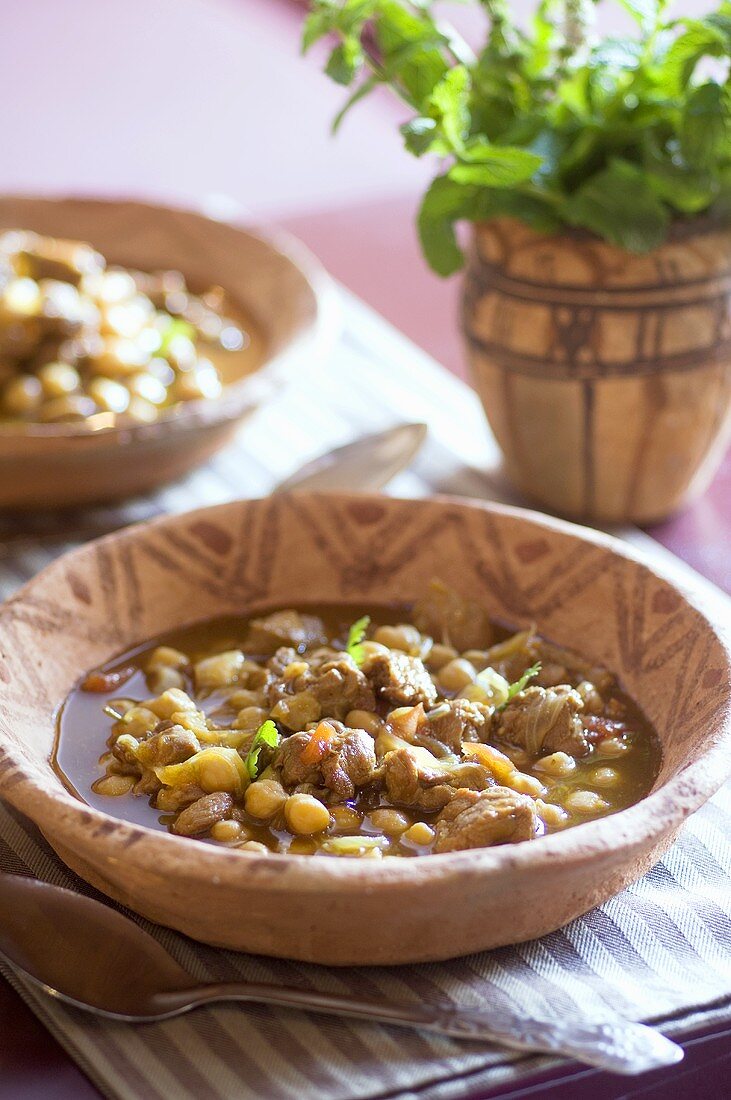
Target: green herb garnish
column 176, row 327
column 356, row 634
column 550, row 124
column 267, row 734
column 517, row 687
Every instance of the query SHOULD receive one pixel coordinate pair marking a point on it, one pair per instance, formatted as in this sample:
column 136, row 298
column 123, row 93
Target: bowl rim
column 315, row 339
column 660, row 812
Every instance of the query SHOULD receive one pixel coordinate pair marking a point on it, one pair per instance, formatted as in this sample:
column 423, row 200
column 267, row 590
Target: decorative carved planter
column 605, row 375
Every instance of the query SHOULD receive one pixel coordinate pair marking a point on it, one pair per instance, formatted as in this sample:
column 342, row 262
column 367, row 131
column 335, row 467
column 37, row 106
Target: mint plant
column 550, row 124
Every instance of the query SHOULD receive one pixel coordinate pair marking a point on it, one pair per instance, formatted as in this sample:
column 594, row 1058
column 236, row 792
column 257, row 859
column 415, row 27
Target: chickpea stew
column 314, row 731
column 83, row 342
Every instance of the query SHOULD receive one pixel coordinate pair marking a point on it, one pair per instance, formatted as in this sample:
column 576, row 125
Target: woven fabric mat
column 660, row 951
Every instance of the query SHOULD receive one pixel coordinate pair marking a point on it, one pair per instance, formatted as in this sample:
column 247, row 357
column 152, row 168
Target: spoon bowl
column 95, row 958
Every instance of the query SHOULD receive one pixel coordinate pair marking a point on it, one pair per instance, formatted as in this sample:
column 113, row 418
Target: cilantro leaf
column 267, row 734
column 356, row 634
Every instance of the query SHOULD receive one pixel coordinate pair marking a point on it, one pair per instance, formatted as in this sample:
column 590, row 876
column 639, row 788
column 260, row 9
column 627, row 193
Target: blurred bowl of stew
column 90, row 410
column 668, row 648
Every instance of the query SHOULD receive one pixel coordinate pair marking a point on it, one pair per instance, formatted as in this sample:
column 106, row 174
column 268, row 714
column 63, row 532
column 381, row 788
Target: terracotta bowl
column 582, row 588
column 277, row 283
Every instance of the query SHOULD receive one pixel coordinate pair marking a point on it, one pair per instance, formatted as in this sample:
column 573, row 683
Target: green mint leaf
column 705, row 132
column 449, row 104
column 345, row 61
column 267, row 734
column 619, row 204
column 445, row 203
column 496, row 166
column 176, row 327
column 419, row 134
column 356, row 634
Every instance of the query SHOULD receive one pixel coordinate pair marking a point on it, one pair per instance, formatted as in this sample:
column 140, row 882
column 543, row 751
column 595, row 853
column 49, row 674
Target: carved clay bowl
column 272, row 278
column 582, row 588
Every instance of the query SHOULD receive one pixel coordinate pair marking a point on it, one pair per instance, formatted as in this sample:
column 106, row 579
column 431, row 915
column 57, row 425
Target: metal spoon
column 93, row 957
column 365, row 465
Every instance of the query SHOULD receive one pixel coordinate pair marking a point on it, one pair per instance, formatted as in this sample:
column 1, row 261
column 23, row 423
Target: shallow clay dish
column 273, row 279
column 583, row 589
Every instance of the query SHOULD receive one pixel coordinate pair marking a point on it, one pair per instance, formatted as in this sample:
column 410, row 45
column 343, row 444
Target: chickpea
column 372, row 649
column 612, row 746
column 164, row 679
column 477, row 657
column 390, row 822
column 550, row 814
column 364, row 720
column 605, row 777
column 114, row 785
column 141, row 411
column 58, row 379
column 217, row 772
column 201, row 382
column 253, row 847
column 440, row 655
column 225, row 832
column 558, row 763
column 585, row 802
column 304, row 814
column 419, row 833
column 345, row 818
column 294, row 669
column 250, row 718
column 302, row 846
column 525, row 784
column 167, row 656
column 264, row 798
column 22, row 395
column 139, row 720
column 297, row 711
column 110, row 396
column 22, row 297
column 219, row 671
column 171, row 702
column 593, row 702
column 237, row 700
column 147, row 387
column 403, row 637
column 456, row 675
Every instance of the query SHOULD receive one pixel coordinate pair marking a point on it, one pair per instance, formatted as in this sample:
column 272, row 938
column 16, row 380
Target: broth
column 616, row 771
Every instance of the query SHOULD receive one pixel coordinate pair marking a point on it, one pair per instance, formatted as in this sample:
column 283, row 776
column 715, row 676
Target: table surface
column 198, row 123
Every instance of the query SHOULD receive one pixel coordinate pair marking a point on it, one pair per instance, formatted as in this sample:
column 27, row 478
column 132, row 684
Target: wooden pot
column 605, row 375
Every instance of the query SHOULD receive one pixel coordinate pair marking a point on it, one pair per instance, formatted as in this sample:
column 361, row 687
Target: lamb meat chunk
column 340, row 686
column 199, row 816
column 410, row 783
column 450, row 619
column 282, row 657
column 284, row 628
column 455, row 721
column 172, row 745
column 479, row 819
column 543, row 720
column 331, row 756
column 401, row 680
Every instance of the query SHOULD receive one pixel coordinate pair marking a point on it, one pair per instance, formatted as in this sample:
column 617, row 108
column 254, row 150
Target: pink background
column 186, row 98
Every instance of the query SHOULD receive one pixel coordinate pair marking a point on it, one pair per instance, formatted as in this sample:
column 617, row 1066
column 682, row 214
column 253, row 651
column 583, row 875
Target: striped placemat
column 657, row 952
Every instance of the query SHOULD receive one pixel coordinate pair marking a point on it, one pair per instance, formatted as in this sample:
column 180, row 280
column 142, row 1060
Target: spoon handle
column 617, row 1045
